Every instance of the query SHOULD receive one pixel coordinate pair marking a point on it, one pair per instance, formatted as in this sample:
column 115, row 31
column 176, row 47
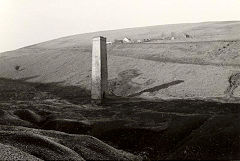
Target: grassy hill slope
column 179, row 69
column 67, row 126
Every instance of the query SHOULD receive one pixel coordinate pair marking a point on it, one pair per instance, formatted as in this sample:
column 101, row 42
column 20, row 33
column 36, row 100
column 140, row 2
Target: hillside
column 172, row 70
column 46, row 111
column 199, row 31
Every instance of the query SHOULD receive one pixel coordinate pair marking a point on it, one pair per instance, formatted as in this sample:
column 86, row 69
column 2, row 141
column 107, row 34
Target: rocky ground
column 48, row 121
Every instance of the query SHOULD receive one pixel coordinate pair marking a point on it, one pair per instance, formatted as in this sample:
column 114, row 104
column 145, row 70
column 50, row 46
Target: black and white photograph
column 127, row 80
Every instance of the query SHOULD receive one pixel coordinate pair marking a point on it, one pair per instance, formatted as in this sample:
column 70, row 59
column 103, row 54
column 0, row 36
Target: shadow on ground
column 157, row 88
column 156, row 130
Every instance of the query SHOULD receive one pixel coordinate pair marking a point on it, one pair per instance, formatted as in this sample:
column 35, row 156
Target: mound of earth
column 51, row 126
column 26, row 143
column 24, row 111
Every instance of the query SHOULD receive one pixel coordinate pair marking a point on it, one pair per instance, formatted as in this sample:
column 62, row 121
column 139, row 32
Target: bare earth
column 166, row 98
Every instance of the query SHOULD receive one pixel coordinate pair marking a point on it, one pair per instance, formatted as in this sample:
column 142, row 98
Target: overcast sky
column 26, row 22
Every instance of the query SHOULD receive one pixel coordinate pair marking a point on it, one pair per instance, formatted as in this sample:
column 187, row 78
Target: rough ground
column 176, row 129
column 186, row 115
column 195, row 67
column 28, row 117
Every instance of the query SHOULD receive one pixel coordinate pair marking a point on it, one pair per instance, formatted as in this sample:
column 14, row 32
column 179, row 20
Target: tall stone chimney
column 99, row 69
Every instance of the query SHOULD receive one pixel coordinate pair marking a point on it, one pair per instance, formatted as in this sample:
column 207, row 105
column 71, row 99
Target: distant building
column 188, row 36
column 127, row 40
column 109, row 42
column 146, row 40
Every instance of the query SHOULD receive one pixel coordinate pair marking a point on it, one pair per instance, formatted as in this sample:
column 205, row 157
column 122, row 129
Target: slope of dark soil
column 157, row 130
